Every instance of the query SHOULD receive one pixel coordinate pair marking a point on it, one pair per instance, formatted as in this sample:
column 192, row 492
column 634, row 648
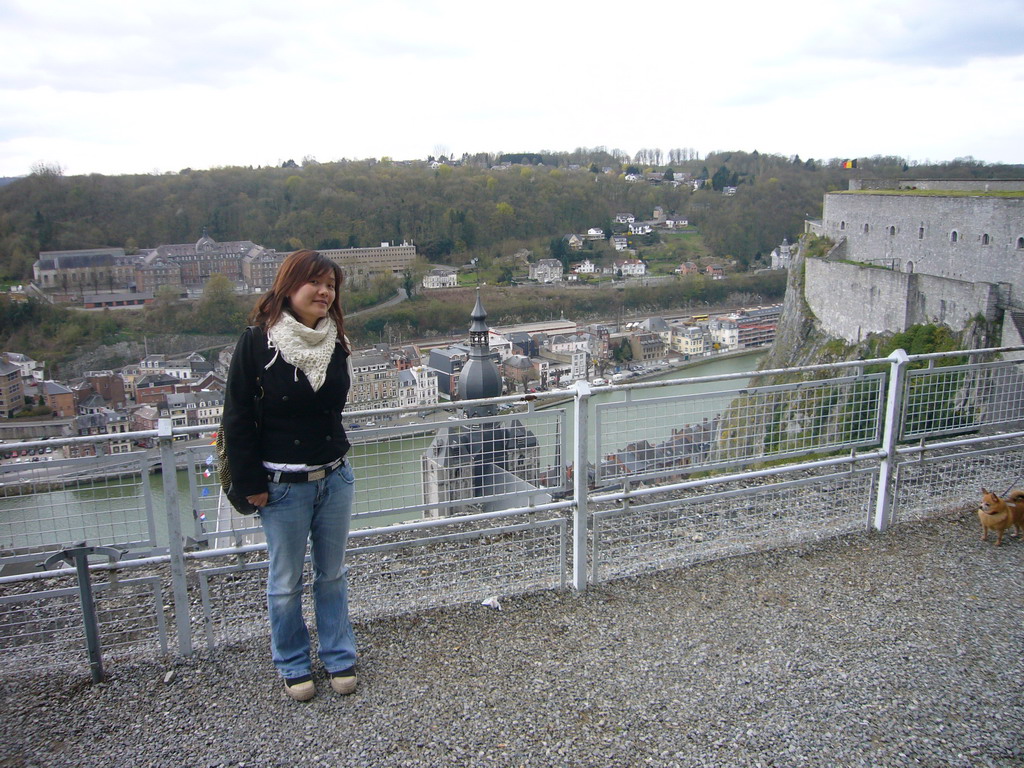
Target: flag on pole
column 849, row 163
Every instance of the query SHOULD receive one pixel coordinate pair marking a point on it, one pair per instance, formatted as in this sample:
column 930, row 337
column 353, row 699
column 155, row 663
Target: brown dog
column 1015, row 500
column 998, row 514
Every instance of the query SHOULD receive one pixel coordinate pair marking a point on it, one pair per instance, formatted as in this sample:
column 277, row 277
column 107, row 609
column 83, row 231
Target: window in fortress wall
column 866, row 229
column 920, row 233
column 954, row 236
column 1020, row 243
column 986, row 240
column 892, row 231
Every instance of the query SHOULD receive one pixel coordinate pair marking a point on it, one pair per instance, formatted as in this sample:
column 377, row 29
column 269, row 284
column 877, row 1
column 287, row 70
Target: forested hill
column 452, row 212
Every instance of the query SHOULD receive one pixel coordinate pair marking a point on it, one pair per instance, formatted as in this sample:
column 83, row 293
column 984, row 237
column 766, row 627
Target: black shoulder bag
column 241, row 504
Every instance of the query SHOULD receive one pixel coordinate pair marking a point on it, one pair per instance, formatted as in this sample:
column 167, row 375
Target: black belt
column 305, row 477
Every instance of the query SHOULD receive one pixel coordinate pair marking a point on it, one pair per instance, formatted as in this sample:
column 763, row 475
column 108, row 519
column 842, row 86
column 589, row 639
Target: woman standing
column 286, row 447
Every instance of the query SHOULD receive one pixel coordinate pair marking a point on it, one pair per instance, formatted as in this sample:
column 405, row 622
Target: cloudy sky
column 134, row 86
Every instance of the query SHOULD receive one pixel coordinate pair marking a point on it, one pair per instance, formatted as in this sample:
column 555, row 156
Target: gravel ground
column 895, row 649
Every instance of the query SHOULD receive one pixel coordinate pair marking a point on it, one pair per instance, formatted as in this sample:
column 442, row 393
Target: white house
column 417, row 386
column 782, row 256
column 620, row 242
column 567, row 343
column 586, row 267
column 631, row 268
column 725, row 332
column 595, row 233
column 639, row 229
column 441, row 277
column 624, row 218
column 673, row 223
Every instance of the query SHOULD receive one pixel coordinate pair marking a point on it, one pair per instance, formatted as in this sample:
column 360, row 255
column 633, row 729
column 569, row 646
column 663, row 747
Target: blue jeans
column 320, row 512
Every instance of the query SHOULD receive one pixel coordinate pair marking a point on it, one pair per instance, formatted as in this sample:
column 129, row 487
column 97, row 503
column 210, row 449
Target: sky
column 137, row 86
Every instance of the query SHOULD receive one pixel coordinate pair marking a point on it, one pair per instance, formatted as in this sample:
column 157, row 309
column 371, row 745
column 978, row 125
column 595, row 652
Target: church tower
column 480, row 377
column 496, row 461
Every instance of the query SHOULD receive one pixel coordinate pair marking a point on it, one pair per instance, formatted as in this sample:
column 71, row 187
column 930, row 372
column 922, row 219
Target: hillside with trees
column 484, row 209
column 454, row 212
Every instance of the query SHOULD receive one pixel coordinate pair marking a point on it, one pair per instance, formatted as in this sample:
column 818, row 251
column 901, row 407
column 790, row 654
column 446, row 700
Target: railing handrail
column 861, row 456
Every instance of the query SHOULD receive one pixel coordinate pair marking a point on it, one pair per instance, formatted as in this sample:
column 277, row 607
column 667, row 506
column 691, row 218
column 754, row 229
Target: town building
column 12, row 391
column 417, row 386
column 361, row 264
column 447, row 363
column 192, row 409
column 631, row 268
column 782, row 255
column 691, row 340
column 725, row 333
column 374, row 383
column 58, row 398
column 67, row 273
column 547, row 271
column 646, row 346
column 31, row 370
column 198, row 262
column 441, row 277
column 99, row 423
column 259, row 269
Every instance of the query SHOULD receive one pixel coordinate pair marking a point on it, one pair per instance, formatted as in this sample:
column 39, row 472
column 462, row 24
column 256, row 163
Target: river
column 109, row 511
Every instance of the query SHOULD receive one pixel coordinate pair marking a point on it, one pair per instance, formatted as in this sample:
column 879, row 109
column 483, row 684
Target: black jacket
column 298, row 425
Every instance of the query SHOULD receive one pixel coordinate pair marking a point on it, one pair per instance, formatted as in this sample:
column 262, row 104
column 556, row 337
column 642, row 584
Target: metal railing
column 556, row 489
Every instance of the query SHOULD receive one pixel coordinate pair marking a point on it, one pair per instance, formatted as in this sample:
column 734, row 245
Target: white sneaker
column 344, row 682
column 301, row 688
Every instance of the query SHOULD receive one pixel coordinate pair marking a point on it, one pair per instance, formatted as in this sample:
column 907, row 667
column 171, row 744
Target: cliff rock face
column 113, row 356
column 819, row 411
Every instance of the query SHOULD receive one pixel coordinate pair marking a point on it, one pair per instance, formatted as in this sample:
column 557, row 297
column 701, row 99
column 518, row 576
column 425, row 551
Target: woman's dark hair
column 297, row 269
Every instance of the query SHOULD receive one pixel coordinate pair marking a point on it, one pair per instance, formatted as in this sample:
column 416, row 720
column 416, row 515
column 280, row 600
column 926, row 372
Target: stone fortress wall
column 935, row 258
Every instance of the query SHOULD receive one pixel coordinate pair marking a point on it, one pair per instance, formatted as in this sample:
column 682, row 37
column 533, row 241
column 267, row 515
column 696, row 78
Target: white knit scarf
column 308, row 349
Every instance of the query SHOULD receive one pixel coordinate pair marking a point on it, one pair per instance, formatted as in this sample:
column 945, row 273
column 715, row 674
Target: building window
column 985, row 240
column 866, row 229
column 1020, row 243
column 920, row 233
column 892, row 231
column 842, row 225
column 954, row 236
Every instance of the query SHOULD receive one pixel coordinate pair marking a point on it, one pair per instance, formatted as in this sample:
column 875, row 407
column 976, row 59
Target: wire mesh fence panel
column 393, row 573
column 962, row 398
column 214, row 522
column 234, row 604
column 672, row 436
column 690, row 527
column 42, row 628
column 937, row 485
column 102, row 499
column 441, row 468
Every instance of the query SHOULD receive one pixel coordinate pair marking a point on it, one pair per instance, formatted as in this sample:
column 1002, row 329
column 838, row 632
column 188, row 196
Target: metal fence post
column 890, row 436
column 580, row 477
column 175, row 543
column 78, row 556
